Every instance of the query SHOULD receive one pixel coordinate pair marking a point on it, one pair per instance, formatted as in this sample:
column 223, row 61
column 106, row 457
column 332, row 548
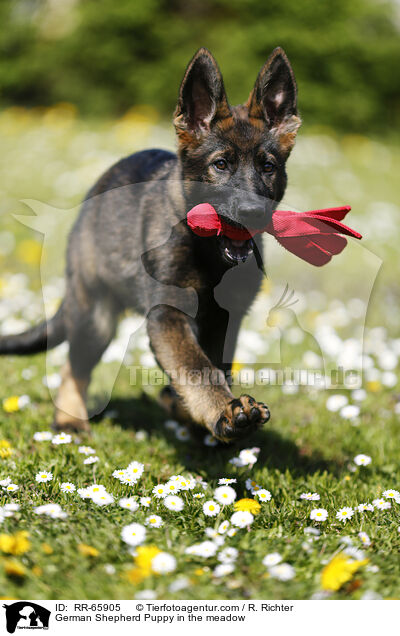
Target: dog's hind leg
column 89, row 333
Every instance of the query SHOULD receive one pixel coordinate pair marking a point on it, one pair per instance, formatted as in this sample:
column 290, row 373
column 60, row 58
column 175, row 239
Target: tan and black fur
column 236, row 157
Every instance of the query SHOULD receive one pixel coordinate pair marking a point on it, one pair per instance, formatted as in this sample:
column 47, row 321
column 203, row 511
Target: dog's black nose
column 252, row 215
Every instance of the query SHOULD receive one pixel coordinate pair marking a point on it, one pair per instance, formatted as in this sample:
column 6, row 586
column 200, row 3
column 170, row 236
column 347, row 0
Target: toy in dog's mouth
column 234, row 250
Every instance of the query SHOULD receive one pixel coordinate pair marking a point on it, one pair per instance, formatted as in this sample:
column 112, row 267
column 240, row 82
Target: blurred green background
column 105, row 56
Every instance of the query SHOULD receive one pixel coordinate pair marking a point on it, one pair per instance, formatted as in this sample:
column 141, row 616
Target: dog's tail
column 46, row 335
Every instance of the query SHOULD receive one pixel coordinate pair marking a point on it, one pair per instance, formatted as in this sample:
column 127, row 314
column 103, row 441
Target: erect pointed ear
column 274, row 99
column 201, row 97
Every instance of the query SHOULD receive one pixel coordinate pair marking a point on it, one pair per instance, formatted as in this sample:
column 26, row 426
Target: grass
column 305, row 447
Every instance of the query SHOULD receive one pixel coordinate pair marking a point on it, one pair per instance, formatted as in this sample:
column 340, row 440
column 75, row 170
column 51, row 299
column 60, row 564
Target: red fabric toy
column 314, row 236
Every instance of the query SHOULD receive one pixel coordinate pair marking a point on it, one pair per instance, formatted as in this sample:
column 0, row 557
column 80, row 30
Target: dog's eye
column 268, row 167
column 220, row 164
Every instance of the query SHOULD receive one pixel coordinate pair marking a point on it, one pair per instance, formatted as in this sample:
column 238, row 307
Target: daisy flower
column 86, row 450
column 211, row 533
column 362, row 460
column 248, row 505
column 145, row 501
column 252, row 485
column 344, row 513
column 136, row 469
column 127, row 479
column 362, row 507
column 227, row 555
column 314, row 531
column 211, row 508
column 134, row 534
column 11, row 488
column 129, row 503
column 9, row 509
column 242, row 518
column 223, row 527
column 119, row 473
column 391, row 494
column 43, row 436
column 311, row 496
column 84, row 493
column 163, row 563
column 336, row 402
column 182, row 434
column 61, row 438
column 225, row 481
column 103, row 499
column 172, row 502
column 171, row 487
column 160, row 491
column 247, row 457
column 263, row 494
column 282, row 572
column 51, row 510
column 171, row 425
column 210, row 440
column 43, row 476
column 92, row 459
column 225, row 495
column 381, row 504
column 198, row 495
column 154, row 521
column 223, row 569
column 272, row 559
column 231, row 532
column 350, row 412
column 66, row 486
column 318, row 514
column 5, row 482
column 205, row 549
column 364, row 538
column 95, row 489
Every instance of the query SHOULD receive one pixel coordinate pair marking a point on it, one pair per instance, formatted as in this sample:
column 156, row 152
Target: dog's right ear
column 202, row 97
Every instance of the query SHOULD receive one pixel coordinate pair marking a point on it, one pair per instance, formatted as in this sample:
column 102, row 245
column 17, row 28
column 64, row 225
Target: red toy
column 314, row 236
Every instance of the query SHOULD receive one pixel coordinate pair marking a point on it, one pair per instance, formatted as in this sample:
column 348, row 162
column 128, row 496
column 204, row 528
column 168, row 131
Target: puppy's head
column 234, row 157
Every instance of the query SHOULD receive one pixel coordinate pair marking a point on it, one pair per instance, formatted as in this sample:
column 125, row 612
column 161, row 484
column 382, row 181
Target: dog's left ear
column 202, row 96
column 274, row 99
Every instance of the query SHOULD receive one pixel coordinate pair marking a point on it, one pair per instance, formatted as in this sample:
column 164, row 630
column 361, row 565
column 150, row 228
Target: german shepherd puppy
column 240, row 154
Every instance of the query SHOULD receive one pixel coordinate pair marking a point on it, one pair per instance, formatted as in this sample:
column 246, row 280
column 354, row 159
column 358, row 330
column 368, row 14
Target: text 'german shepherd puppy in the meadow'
column 131, row 248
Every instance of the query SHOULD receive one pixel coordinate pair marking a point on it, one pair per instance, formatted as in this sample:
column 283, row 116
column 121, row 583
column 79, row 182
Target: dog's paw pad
column 241, row 417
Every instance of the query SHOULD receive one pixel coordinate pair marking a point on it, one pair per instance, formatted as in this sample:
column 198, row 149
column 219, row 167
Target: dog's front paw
column 240, row 418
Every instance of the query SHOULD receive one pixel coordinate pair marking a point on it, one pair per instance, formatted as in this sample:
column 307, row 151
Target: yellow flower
column 29, row 252
column 88, row 550
column 199, row 572
column 15, row 544
column 37, row 570
column 47, row 549
column 144, row 557
column 338, row 571
column 248, row 505
column 5, row 453
column 10, row 405
column 135, row 575
column 4, row 443
column 14, row 568
column 374, row 386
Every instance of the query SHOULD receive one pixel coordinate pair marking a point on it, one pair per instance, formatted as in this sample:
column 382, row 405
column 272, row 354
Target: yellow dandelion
column 37, row 570
column 144, row 557
column 47, row 549
column 134, row 575
column 14, row 568
column 88, row 550
column 4, row 443
column 15, row 544
column 5, row 453
column 11, row 404
column 29, row 252
column 339, row 570
column 248, row 505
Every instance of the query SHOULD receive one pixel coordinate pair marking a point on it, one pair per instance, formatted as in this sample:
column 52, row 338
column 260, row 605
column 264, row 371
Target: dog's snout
column 252, row 215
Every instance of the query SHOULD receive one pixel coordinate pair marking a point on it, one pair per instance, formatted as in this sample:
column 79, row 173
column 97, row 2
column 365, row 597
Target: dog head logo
column 26, row 615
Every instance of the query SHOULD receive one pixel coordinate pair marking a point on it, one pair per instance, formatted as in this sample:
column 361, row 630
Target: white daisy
column 103, row 499
column 311, row 496
column 129, row 503
column 362, row 460
column 86, row 450
column 145, row 501
column 5, row 482
column 225, row 495
column 363, row 507
column 227, row 555
column 51, row 510
column 84, row 493
column 210, row 440
column 182, row 434
column 134, row 534
column 223, row 527
column 95, row 489
column 127, row 479
column 61, row 438
column 263, row 494
column 11, row 488
column 211, row 533
column 163, row 563
column 350, row 412
column 223, row 569
column 66, row 486
column 160, row 491
column 211, row 508
column 171, row 487
column 391, row 494
column 381, row 504
column 252, row 485
column 119, row 473
column 136, row 469
column 313, row 531
column 43, row 436
column 92, row 459
column 154, row 521
column 282, row 572
column 231, row 532
column 171, row 425
column 364, row 538
column 172, row 502
column 272, row 559
column 225, row 481
column 44, row 476
column 336, row 402
column 242, row 518
column 198, row 495
column 318, row 514
column 344, row 513
column 9, row 509
column 205, row 549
